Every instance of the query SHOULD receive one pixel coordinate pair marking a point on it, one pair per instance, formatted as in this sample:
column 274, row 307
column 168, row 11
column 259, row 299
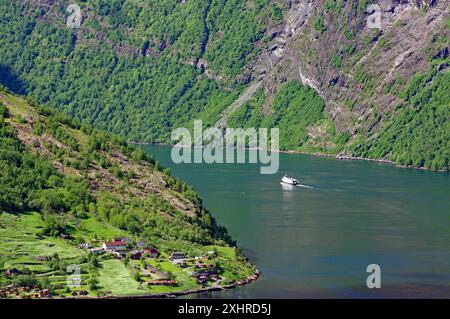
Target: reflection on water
column 287, row 187
column 288, row 195
column 317, row 242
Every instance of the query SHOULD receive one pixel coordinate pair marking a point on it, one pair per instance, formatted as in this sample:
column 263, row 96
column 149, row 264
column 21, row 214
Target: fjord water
column 317, row 241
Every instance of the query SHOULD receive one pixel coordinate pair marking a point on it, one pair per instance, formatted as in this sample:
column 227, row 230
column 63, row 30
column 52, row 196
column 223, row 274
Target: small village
column 142, row 261
column 202, row 268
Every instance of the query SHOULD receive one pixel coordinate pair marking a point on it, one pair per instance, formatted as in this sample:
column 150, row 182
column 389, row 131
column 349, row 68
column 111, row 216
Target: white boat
column 289, row 180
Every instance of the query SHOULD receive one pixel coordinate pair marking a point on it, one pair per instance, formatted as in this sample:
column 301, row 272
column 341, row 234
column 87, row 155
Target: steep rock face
column 397, row 50
column 331, row 48
column 282, row 36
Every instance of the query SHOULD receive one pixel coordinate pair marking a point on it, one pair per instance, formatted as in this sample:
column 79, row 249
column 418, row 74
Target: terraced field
column 22, row 244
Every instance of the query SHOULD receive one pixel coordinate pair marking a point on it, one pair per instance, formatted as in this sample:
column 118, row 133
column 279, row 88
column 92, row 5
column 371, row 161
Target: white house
column 113, row 246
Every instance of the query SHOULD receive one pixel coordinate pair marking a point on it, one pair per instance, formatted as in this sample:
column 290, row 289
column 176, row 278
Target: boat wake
column 290, row 187
column 305, row 186
column 289, row 183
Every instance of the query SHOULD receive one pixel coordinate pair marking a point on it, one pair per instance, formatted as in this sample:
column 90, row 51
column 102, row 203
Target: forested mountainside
column 136, row 68
column 65, row 184
column 312, row 68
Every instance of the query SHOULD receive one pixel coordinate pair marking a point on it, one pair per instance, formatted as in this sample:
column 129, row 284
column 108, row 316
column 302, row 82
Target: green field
column 92, row 227
column 183, row 278
column 115, row 277
column 20, row 243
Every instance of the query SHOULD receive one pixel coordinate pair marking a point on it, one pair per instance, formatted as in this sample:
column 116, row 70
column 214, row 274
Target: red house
column 151, row 252
column 136, row 254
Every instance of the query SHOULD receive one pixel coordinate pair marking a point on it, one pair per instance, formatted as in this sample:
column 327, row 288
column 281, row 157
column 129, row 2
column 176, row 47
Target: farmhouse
column 114, row 246
column 151, row 252
column 177, row 256
column 204, row 266
column 204, row 276
column 136, row 254
column 161, row 282
column 123, row 240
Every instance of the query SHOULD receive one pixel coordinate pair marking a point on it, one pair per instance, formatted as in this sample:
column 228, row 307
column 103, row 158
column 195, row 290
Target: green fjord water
column 317, row 242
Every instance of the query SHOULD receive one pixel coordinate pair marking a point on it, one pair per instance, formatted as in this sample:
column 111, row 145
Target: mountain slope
column 368, row 79
column 142, row 68
column 63, row 184
column 135, row 68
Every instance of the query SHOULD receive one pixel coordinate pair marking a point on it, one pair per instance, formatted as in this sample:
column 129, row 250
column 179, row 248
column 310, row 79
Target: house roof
column 114, row 243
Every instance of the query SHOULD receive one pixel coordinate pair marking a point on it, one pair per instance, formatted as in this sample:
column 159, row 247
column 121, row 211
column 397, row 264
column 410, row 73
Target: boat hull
column 289, row 181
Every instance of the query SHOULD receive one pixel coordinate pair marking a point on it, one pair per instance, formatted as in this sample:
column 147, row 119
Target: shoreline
column 236, row 284
column 338, row 157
